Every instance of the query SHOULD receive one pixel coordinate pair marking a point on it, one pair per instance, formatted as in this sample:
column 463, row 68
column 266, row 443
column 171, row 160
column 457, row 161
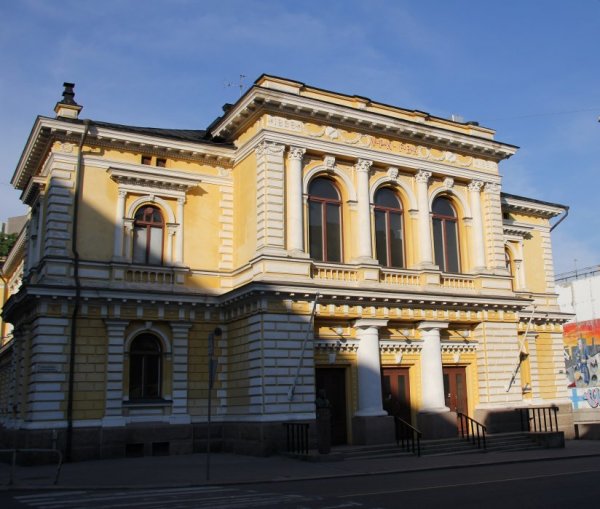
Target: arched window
column 145, row 366
column 324, row 221
column 148, row 234
column 389, row 242
column 445, row 235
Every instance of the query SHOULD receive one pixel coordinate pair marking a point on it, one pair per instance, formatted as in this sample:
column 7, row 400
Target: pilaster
column 113, row 413
column 425, row 244
column 179, row 412
column 295, row 233
column 270, row 220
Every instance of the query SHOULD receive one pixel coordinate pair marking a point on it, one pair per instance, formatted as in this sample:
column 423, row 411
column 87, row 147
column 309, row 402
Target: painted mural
column 582, row 359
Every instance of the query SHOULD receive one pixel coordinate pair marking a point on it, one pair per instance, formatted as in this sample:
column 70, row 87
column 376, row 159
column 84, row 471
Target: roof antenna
column 240, row 86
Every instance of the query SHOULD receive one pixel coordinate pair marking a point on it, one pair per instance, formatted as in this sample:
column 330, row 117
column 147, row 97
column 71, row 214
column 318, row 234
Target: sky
column 527, row 68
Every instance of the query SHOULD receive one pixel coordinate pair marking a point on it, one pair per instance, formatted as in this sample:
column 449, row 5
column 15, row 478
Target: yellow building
column 332, row 242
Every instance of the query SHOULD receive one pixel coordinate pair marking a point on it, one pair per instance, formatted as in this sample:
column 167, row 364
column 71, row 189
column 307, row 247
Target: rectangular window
column 139, row 245
column 452, row 247
column 396, row 247
column 381, row 237
column 161, row 163
column 334, row 248
column 146, row 160
column 438, row 242
column 315, row 234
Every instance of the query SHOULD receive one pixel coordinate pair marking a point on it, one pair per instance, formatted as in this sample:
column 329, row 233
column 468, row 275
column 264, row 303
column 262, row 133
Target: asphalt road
column 549, row 484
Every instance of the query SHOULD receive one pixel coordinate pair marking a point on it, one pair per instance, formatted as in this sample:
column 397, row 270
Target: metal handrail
column 297, row 437
column 14, row 452
column 408, row 437
column 472, row 430
column 544, row 418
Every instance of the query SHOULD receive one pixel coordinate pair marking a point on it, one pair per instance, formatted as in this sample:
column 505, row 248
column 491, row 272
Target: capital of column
column 423, row 176
column 296, row 153
column 122, row 193
column 431, row 325
column 363, row 165
column 475, row 186
column 368, row 323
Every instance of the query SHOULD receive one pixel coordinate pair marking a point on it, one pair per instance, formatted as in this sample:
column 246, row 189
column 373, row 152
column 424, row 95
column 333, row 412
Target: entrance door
column 396, row 392
column 455, row 388
column 333, row 382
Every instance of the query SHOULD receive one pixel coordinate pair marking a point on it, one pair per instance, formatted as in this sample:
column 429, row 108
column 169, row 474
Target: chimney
column 68, row 108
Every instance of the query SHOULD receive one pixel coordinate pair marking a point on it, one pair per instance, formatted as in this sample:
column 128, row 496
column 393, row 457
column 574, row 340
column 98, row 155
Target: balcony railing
column 458, row 282
column 329, row 273
column 149, row 275
column 394, row 277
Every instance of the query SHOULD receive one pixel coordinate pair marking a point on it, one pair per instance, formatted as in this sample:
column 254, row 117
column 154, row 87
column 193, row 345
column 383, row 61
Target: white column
column 118, row 242
column 128, row 234
column 295, row 225
column 365, row 251
column 422, row 178
column 113, row 412
column 179, row 237
column 477, row 226
column 179, row 412
column 369, row 368
column 432, row 377
column 172, row 230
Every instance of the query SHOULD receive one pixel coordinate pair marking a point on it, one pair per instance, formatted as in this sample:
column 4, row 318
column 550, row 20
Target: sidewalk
column 225, row 468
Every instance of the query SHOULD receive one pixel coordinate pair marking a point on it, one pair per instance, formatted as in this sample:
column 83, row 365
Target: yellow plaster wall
column 90, row 369
column 97, row 209
column 244, row 210
column 533, row 259
column 201, row 238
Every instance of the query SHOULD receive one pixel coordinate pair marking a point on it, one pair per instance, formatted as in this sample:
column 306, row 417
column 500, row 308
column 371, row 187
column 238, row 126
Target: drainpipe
column 69, row 438
column 561, row 219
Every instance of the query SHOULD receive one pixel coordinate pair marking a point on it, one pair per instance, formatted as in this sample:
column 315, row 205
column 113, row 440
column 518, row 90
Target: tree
column 7, row 241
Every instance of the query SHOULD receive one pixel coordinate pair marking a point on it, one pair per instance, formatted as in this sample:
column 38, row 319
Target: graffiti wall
column 582, row 360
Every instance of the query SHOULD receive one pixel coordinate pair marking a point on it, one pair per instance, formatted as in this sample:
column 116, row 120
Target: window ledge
column 147, row 403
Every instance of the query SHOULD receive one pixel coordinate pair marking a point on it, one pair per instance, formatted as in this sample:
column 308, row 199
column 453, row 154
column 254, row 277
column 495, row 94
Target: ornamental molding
column 458, row 347
column 336, row 345
column 393, row 172
column 329, row 162
column 516, row 229
column 267, row 148
column 388, row 346
column 143, row 179
column 379, row 158
column 448, row 183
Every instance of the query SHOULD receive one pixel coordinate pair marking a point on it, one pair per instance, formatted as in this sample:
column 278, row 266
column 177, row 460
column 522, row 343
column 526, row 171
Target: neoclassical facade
column 306, row 241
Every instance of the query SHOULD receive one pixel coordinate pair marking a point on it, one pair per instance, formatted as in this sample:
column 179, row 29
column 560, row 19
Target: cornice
column 262, row 99
column 517, row 229
column 47, row 130
column 378, row 158
column 534, row 207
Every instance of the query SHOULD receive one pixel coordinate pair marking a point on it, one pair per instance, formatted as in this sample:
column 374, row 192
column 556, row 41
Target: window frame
column 387, row 211
column 137, row 223
column 145, row 357
column 445, row 219
column 323, row 203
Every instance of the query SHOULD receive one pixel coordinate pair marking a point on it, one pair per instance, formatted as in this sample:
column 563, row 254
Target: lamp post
column 212, row 370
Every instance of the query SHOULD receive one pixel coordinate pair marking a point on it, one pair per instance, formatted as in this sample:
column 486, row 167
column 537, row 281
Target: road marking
column 475, row 483
column 210, row 497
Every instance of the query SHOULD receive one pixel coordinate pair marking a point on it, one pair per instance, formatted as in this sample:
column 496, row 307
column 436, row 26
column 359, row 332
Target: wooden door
column 395, row 390
column 333, row 382
column 455, row 388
